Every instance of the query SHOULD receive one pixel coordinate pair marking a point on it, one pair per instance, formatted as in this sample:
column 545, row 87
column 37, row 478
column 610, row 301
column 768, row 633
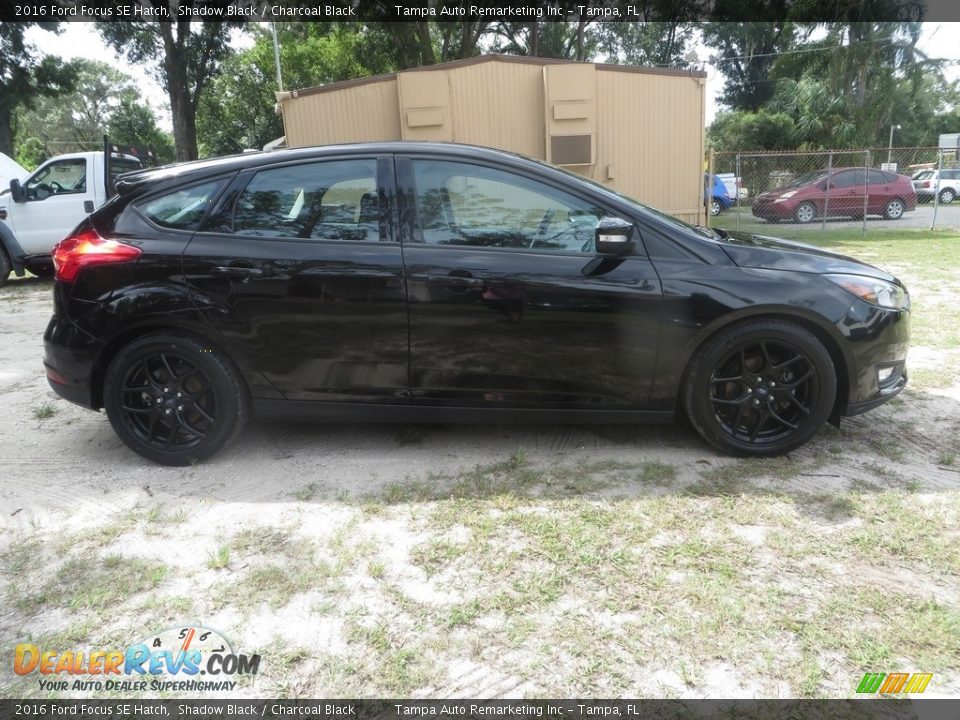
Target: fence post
column 708, row 189
column 866, row 190
column 826, row 195
column 737, row 181
column 936, row 188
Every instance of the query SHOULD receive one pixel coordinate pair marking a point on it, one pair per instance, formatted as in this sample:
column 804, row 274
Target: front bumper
column 770, row 210
column 878, row 340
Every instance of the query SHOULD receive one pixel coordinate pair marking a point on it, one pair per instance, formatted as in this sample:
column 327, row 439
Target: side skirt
column 383, row 413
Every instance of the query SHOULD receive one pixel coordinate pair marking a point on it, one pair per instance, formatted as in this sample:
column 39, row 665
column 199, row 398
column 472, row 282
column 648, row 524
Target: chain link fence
column 872, row 188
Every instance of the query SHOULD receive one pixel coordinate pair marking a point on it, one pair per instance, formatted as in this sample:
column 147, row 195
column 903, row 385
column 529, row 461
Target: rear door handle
column 236, row 271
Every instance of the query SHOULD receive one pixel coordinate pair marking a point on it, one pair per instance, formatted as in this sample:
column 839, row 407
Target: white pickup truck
column 39, row 210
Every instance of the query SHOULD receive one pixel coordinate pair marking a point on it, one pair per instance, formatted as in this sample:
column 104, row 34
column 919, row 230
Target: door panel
column 55, row 204
column 306, row 285
column 518, row 328
column 509, row 304
column 847, row 193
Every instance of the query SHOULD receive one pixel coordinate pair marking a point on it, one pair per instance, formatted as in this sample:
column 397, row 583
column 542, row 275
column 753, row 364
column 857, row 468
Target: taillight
column 87, row 248
column 925, row 183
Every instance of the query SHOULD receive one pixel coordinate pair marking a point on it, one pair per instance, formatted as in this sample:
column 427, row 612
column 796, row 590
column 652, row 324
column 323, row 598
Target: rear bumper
column 69, row 357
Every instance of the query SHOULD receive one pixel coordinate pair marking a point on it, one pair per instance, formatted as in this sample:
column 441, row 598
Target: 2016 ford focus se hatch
column 445, row 283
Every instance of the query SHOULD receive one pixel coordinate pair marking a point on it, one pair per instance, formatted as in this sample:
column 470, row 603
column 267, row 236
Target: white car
column 943, row 183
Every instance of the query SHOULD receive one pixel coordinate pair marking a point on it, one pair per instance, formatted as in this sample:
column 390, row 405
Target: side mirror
column 613, row 236
column 17, row 192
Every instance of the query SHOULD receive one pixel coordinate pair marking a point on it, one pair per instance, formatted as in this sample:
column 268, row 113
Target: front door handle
column 458, row 281
column 236, row 271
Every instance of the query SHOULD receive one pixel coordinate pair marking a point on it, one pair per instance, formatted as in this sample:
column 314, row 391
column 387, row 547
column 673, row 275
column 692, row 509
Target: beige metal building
column 637, row 130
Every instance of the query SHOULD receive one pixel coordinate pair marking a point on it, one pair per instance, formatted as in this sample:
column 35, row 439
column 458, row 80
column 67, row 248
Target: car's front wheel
column 947, row 196
column 762, row 387
column 806, row 212
column 715, row 207
column 173, row 399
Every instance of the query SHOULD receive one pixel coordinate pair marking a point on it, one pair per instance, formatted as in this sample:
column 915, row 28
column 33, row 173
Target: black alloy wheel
column 761, row 388
column 173, row 399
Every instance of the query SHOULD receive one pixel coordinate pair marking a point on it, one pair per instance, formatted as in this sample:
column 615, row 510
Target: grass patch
column 93, row 584
column 44, row 411
column 219, row 559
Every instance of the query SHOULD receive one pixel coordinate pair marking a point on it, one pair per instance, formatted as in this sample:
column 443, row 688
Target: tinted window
column 880, row 178
column 183, row 209
column 951, row 174
column 848, row 178
column 335, row 200
column 58, row 178
column 461, row 204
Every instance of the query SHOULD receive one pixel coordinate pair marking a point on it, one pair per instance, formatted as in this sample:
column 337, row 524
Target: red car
column 843, row 193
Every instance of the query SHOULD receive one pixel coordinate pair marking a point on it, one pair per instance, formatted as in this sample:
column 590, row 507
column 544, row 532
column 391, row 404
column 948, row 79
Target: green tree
column 745, row 130
column 103, row 101
column 25, row 77
column 238, row 113
column 861, row 79
column 747, row 53
column 185, row 56
column 133, row 123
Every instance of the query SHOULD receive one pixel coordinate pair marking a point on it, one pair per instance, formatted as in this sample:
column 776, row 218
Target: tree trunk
column 535, row 38
column 181, row 109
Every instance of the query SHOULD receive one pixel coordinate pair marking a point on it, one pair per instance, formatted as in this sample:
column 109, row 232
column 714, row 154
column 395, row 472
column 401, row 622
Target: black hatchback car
column 447, row 283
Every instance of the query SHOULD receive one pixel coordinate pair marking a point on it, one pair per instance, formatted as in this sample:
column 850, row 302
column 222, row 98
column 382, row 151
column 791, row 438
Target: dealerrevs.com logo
column 191, row 658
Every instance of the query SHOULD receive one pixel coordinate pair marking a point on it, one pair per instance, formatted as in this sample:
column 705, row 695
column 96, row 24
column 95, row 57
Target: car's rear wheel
column 947, row 196
column 762, row 387
column 173, row 399
column 715, row 207
column 806, row 212
column 894, row 209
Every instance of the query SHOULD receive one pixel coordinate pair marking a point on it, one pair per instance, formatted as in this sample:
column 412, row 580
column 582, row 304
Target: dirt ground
column 489, row 561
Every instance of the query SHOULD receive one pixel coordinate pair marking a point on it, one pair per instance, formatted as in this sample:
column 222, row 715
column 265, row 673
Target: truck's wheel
column 4, row 268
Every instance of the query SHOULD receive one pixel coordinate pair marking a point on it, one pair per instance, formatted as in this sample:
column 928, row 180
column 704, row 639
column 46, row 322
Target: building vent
column 571, row 149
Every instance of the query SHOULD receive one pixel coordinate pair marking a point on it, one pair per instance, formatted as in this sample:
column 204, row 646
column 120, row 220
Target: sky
column 80, row 40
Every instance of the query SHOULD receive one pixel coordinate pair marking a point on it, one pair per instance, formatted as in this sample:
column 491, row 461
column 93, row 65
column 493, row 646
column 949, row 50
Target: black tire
column 4, row 267
column 806, row 212
column 947, row 196
column 174, row 399
column 715, row 208
column 894, row 209
column 740, row 416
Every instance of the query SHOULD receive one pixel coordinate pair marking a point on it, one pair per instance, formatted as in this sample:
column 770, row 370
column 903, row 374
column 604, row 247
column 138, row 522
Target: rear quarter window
column 182, row 209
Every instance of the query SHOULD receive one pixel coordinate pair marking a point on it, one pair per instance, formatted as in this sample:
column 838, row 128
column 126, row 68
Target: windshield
column 643, row 209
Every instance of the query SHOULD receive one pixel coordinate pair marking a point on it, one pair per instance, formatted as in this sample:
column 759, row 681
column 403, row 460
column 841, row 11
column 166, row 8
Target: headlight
column 873, row 291
column 786, row 196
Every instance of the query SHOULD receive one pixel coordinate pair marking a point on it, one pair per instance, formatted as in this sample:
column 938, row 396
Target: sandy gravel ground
column 369, row 560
